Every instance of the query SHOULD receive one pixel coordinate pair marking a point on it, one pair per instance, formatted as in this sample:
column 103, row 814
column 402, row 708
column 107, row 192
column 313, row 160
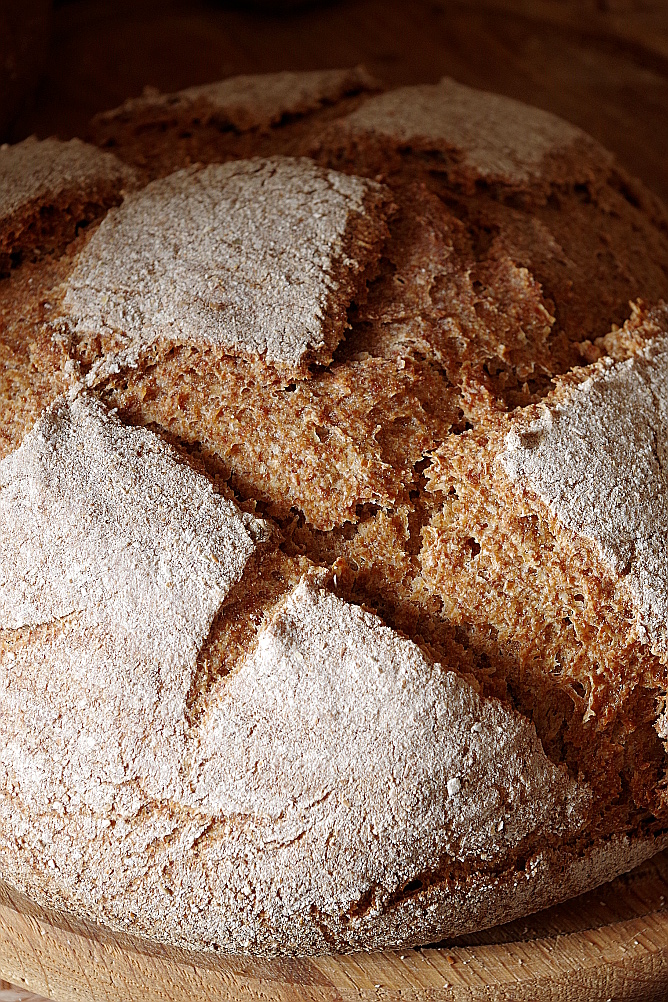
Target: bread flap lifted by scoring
column 115, row 557
column 50, row 188
column 486, row 135
column 255, row 256
column 597, row 457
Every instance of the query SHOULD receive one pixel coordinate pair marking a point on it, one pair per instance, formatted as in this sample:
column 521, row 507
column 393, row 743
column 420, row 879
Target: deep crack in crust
column 506, row 263
column 242, row 104
column 234, row 119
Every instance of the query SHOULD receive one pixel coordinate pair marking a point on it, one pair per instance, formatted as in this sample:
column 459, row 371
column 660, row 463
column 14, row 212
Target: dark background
column 602, row 64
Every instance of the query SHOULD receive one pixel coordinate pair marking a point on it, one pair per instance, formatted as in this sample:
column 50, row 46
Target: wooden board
column 611, row 944
column 602, row 64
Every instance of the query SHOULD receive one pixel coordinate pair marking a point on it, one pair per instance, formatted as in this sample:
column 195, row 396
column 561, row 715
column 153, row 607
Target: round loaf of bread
column 333, row 515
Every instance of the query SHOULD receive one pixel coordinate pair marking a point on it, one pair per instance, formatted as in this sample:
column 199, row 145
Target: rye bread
column 334, row 573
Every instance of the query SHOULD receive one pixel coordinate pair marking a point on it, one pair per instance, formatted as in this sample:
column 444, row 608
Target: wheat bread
column 332, row 489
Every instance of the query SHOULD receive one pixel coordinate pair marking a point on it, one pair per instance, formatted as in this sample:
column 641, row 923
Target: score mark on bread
column 135, row 555
column 493, row 137
column 115, row 557
column 243, row 102
column 598, row 459
column 49, row 188
column 120, row 530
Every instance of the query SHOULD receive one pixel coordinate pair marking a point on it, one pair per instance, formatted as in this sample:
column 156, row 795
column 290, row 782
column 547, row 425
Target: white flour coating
column 600, row 463
column 130, row 553
column 238, row 255
column 34, row 171
column 248, row 102
column 317, row 779
column 496, row 136
column 335, row 708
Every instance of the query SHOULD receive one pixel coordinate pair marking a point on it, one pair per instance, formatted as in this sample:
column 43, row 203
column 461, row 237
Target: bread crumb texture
column 333, row 573
column 599, row 461
column 27, row 385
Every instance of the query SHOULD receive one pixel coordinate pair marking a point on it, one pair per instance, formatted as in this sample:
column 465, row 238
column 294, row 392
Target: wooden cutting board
column 611, row 944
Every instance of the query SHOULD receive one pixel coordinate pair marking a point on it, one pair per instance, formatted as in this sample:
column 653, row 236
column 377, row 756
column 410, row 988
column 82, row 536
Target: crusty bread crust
column 606, row 440
column 76, row 181
column 281, row 248
column 314, row 631
column 495, row 137
column 244, row 102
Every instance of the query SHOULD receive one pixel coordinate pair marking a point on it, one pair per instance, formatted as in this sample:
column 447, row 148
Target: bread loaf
column 333, row 515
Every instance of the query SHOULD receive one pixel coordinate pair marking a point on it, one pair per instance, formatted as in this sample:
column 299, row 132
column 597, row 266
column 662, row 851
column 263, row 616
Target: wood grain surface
column 609, row 944
column 602, row 64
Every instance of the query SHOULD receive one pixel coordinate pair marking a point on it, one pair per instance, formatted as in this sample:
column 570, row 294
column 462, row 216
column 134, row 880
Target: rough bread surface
column 103, row 518
column 333, row 576
column 249, row 102
column 315, row 819
column 105, row 531
column 51, row 189
column 324, row 670
column 599, row 461
column 239, row 255
column 496, row 136
column 34, row 170
column 106, row 534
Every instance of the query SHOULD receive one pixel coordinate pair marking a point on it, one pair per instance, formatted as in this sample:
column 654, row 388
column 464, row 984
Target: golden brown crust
column 378, row 465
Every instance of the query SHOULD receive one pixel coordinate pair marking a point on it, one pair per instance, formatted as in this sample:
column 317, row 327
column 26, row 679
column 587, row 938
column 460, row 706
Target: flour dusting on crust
column 33, row 171
column 496, row 136
column 206, row 737
column 599, row 461
column 346, row 708
column 248, row 102
column 245, row 256
column 114, row 559
column 335, row 765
